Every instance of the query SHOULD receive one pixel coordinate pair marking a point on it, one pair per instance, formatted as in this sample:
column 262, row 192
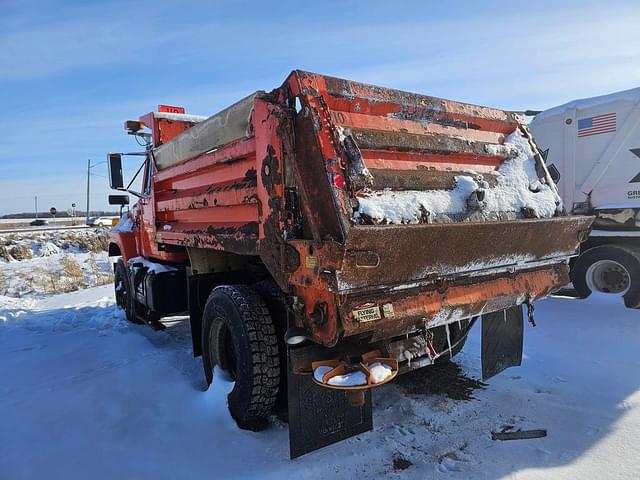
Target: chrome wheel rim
column 608, row 276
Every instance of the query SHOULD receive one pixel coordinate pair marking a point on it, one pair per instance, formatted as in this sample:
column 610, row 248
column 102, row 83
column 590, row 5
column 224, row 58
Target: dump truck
column 329, row 235
column 592, row 149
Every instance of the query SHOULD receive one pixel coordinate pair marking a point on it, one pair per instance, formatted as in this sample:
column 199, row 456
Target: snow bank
column 45, row 263
column 517, row 187
column 12, row 308
column 90, row 309
column 49, row 249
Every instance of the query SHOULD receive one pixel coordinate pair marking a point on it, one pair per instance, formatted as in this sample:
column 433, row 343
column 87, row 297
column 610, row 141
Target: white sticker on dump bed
column 367, row 314
column 387, row 309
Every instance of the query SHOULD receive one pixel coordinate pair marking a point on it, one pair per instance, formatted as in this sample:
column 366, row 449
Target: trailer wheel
column 608, row 269
column 123, row 291
column 238, row 335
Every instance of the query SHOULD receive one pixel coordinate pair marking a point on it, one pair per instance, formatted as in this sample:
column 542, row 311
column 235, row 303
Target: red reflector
column 338, row 181
column 170, row 109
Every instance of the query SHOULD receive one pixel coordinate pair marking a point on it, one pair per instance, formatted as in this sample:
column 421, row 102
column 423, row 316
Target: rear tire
column 608, row 269
column 276, row 302
column 238, row 335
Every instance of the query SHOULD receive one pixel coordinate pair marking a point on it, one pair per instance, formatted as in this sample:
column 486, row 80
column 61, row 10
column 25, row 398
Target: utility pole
column 36, row 206
column 88, row 187
column 89, row 167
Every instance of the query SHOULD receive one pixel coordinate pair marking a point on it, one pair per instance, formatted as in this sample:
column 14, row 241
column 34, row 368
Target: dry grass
column 59, row 274
column 44, row 279
column 102, row 242
column 52, row 280
column 12, row 237
column 82, row 241
column 4, row 253
column 73, row 274
column 71, row 267
column 95, row 244
column 102, row 278
column 21, row 252
column 30, row 279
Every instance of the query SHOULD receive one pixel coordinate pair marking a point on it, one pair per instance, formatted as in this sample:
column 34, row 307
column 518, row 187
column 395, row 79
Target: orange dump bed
column 368, row 195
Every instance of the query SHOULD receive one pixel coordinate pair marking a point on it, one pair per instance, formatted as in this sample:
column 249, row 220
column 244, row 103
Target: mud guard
column 502, row 337
column 319, row 417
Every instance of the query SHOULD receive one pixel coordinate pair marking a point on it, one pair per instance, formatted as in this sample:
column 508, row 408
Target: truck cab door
column 146, row 215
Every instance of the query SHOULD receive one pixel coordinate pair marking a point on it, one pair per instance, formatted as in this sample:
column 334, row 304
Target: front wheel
column 238, row 336
column 608, row 269
column 124, row 291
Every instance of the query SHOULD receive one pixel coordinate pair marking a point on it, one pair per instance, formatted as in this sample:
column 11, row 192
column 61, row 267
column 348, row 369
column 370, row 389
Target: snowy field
column 16, row 220
column 84, row 394
column 37, row 264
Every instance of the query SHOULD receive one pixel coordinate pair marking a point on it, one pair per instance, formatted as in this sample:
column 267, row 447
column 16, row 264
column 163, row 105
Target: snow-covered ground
column 35, row 264
column 84, row 394
column 17, row 220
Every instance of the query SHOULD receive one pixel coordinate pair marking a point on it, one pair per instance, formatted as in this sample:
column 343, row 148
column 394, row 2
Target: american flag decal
column 604, row 123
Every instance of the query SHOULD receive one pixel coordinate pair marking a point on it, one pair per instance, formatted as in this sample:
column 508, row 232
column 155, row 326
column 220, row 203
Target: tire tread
column 263, row 346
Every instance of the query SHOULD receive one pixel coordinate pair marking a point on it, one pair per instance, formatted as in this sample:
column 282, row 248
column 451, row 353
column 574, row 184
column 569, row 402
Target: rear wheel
column 608, row 269
column 238, row 336
column 276, row 302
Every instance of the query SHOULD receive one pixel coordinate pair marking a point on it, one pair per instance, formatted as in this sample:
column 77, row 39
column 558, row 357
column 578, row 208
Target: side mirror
column 121, row 200
column 116, row 181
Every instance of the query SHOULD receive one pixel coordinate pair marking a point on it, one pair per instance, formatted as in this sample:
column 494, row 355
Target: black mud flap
column 502, row 334
column 319, row 417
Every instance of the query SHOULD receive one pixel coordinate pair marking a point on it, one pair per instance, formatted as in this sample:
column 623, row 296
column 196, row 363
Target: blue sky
column 71, row 72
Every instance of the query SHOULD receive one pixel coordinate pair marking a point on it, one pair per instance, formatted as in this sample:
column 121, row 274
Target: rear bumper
column 403, row 254
column 397, row 312
column 400, row 278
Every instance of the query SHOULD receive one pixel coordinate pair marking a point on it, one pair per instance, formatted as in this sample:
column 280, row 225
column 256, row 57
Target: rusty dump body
column 275, row 180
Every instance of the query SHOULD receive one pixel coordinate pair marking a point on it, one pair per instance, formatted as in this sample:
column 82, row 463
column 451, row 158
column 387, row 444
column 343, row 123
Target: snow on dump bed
column 517, row 187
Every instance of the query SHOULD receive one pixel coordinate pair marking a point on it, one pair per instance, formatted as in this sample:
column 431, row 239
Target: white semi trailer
column 592, row 150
